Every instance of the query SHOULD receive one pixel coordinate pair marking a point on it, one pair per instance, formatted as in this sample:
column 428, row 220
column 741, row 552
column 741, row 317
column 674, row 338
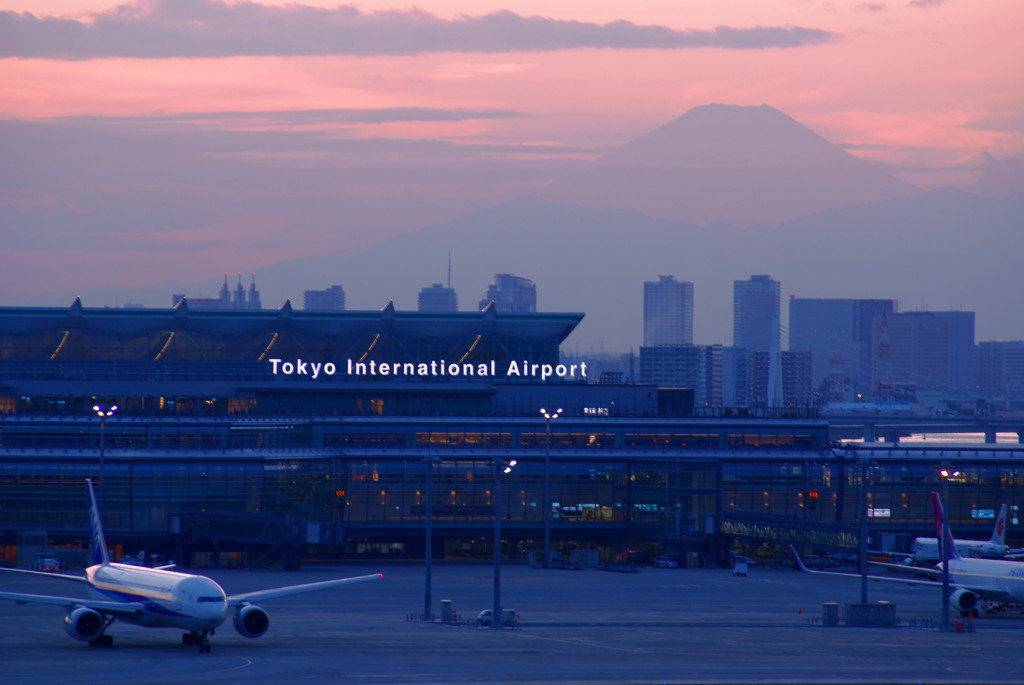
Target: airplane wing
column 47, row 574
column 910, row 570
column 116, row 608
column 274, row 593
column 983, row 591
column 889, row 579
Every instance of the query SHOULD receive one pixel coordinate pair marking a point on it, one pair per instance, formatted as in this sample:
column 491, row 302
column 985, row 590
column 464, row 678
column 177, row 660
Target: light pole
column 548, row 418
column 864, row 529
column 429, row 542
column 103, row 413
column 944, row 536
column 500, row 467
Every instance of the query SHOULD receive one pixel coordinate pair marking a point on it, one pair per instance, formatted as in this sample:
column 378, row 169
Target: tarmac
column 655, row 626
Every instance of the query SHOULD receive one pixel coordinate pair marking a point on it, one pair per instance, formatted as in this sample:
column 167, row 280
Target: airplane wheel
column 102, row 640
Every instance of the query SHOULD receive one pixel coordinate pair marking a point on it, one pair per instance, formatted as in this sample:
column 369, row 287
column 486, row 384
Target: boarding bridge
column 785, row 530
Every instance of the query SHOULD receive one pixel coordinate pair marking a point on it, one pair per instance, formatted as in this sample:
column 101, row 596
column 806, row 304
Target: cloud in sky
column 211, row 28
column 305, row 117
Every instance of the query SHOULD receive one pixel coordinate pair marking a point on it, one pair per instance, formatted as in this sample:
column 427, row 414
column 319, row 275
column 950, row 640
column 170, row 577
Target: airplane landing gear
column 102, row 640
column 202, row 640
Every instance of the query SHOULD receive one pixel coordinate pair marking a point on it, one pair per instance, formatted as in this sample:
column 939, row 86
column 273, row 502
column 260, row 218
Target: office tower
column 926, row 350
column 511, row 295
column 438, row 298
column 225, row 294
column 677, row 366
column 755, row 327
column 837, row 333
column 786, row 382
column 254, row 295
column 755, row 314
column 1000, row 367
column 797, row 390
column 332, row 299
column 668, row 312
column 728, row 377
column 239, row 301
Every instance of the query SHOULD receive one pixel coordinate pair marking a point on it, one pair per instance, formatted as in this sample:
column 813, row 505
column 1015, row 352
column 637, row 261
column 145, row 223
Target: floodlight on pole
column 945, row 536
column 500, row 466
column 548, row 418
column 428, row 544
column 103, row 413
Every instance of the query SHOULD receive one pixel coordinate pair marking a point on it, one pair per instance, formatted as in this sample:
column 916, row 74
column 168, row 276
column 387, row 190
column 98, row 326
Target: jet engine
column 83, row 623
column 964, row 601
column 251, row 621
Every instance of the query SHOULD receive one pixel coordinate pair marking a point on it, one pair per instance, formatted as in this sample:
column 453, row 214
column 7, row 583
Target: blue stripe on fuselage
column 149, row 604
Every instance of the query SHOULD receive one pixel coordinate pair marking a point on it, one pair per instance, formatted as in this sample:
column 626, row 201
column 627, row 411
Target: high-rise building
column 755, row 314
column 668, row 312
column 511, row 295
column 837, row 333
column 332, row 299
column 927, row 350
column 676, row 366
column 797, row 390
column 254, row 295
column 438, row 298
column 728, row 377
column 1000, row 367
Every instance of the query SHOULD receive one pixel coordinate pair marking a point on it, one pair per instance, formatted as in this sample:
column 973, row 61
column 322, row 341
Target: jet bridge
column 783, row 530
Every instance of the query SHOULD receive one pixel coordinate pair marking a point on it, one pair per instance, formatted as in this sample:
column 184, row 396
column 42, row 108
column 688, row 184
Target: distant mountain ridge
column 730, row 164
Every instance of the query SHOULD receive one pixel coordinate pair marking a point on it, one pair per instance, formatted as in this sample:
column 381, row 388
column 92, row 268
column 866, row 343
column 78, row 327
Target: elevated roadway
column 873, row 427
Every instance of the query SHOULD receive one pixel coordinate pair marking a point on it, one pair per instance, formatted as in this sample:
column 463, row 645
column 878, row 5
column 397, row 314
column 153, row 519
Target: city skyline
column 138, row 161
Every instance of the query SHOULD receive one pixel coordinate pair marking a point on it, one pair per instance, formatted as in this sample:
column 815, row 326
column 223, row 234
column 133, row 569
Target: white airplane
column 157, row 597
column 995, row 581
column 926, row 550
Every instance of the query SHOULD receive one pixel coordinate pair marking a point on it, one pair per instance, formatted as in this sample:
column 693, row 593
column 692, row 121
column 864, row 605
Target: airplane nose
column 214, row 612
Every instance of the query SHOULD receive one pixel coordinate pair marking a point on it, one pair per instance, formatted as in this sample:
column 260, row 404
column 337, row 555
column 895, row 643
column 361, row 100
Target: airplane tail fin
column 942, row 531
column 999, row 530
column 98, row 541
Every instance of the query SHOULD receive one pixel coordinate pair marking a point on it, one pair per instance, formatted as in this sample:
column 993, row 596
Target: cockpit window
column 211, row 599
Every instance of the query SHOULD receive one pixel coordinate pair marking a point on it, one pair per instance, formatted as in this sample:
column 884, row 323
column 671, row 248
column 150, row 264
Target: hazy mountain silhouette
column 729, row 164
column 873, row 237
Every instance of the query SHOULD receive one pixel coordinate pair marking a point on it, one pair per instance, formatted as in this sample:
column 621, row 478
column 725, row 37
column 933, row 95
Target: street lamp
column 500, row 467
column 548, row 418
column 944, row 536
column 429, row 542
column 103, row 413
column 864, row 529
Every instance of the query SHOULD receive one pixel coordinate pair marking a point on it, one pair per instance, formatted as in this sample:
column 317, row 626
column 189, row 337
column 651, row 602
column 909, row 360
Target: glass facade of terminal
column 209, row 445
column 622, row 487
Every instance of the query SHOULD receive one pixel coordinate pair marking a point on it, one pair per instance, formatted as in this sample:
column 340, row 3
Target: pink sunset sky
column 933, row 89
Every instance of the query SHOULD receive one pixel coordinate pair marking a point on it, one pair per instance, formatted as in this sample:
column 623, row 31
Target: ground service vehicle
column 509, row 617
column 45, row 561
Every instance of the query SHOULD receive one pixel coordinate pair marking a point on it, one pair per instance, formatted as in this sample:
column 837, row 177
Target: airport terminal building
column 256, row 435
